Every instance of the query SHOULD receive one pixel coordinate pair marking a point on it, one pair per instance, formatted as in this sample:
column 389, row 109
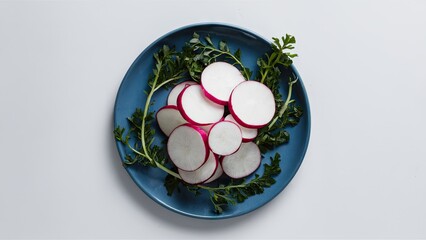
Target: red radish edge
column 239, row 121
column 235, row 161
column 229, row 117
column 218, row 80
column 179, row 106
column 204, row 138
column 176, row 90
column 235, row 115
column 182, row 111
column 158, row 122
column 212, row 98
column 246, row 140
column 217, row 173
column 186, row 175
column 226, row 151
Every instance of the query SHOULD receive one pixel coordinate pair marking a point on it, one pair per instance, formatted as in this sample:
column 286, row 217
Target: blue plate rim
column 307, row 114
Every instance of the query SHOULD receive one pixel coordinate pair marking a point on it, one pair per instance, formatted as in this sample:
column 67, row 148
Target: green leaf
column 237, row 54
column 208, row 40
column 194, row 40
column 223, row 46
column 172, row 184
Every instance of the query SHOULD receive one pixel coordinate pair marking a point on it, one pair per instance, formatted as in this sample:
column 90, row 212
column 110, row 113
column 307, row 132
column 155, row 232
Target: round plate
column 131, row 96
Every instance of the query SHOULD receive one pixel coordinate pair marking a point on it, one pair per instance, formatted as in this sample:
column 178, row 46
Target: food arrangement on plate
column 220, row 118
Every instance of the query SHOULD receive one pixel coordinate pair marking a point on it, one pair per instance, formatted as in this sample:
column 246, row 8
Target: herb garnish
column 172, row 66
column 206, row 53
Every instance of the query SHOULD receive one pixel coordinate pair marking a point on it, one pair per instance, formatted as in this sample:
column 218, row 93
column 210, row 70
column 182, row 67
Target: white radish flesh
column 174, row 93
column 217, row 174
column 219, row 79
column 169, row 118
column 197, row 108
column 225, row 138
column 252, row 104
column 187, row 147
column 203, row 173
column 243, row 162
column 248, row 134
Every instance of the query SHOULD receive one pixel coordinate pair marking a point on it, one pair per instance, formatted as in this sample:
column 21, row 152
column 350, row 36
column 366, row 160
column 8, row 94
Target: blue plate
column 131, row 96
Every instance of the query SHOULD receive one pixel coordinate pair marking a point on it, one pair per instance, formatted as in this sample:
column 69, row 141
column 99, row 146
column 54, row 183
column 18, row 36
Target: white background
column 362, row 62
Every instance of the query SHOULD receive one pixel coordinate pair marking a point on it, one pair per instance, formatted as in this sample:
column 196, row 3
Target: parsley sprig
column 207, row 52
column 172, row 66
column 237, row 192
column 169, row 67
column 287, row 113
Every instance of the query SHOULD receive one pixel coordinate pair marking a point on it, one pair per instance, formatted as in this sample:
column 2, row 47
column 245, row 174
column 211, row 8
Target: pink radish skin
column 197, row 108
column 174, row 93
column 217, row 174
column 225, row 138
column 202, row 174
column 252, row 104
column 243, row 162
column 169, row 118
column 249, row 134
column 218, row 80
column 187, row 147
column 206, row 128
column 212, row 98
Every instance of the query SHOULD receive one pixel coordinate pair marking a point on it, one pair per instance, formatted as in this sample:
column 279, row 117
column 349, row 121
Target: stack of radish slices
column 204, row 142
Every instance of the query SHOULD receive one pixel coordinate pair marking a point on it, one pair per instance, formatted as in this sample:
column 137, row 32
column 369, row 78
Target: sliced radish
column 225, row 138
column 218, row 80
column 206, row 128
column 243, row 162
column 169, row 118
column 248, row 133
column 187, row 147
column 217, row 174
column 197, row 108
column 174, row 93
column 252, row 104
column 203, row 173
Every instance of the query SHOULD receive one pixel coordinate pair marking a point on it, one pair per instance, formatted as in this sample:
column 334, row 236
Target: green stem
column 264, row 76
column 145, row 113
column 167, row 81
column 212, row 194
column 137, row 126
column 247, row 76
column 269, row 64
column 285, row 106
column 167, row 170
column 137, row 152
column 221, row 188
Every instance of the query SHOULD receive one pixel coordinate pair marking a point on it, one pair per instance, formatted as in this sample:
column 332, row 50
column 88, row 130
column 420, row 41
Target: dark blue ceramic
column 131, row 96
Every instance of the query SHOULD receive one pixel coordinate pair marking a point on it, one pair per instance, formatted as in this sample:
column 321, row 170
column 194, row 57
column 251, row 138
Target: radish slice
column 196, row 108
column 206, row 128
column 217, row 174
column 225, row 138
column 169, row 118
column 252, row 104
column 174, row 93
column 187, row 147
column 243, row 162
column 248, row 134
column 203, row 173
column 218, row 80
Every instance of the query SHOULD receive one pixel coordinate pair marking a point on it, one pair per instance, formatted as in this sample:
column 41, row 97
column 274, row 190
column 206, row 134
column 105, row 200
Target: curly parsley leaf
column 206, row 52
